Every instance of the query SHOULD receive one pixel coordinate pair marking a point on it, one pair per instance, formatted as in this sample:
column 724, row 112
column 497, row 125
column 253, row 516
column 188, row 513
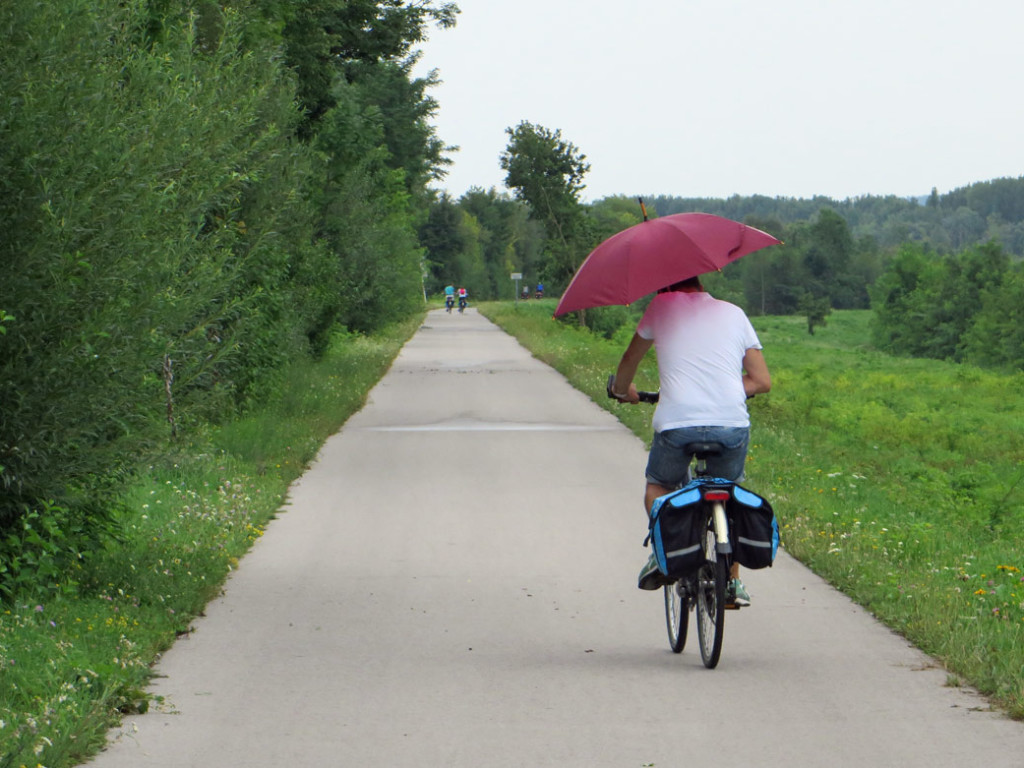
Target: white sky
column 709, row 98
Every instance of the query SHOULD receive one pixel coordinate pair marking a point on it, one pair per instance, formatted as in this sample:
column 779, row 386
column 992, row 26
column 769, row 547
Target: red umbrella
column 657, row 253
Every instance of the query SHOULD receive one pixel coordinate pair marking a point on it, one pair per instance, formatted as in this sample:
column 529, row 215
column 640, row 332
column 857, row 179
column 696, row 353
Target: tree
column 511, row 241
column 369, row 118
column 904, row 298
column 828, row 250
column 996, row 337
column 925, row 306
column 155, row 224
column 611, row 215
column 965, row 227
column 443, row 239
column 325, row 38
column 547, row 172
column 816, row 309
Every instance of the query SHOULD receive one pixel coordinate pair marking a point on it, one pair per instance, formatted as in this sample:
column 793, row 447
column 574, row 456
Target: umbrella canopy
column 657, row 253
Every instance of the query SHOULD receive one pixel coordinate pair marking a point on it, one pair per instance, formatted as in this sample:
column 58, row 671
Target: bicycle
column 704, row 590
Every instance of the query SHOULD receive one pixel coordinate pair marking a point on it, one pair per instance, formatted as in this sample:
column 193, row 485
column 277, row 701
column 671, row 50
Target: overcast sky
column 709, row 98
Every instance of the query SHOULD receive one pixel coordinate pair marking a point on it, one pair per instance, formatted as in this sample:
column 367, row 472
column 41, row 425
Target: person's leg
column 667, row 466
column 652, row 492
column 666, row 471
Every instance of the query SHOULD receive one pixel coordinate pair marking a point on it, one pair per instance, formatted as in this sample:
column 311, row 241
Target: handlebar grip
column 645, row 397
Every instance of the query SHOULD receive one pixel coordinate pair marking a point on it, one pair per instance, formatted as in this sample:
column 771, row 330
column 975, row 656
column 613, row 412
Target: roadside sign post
column 517, row 276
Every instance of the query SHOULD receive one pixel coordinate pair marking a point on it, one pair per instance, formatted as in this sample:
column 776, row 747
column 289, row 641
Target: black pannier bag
column 753, row 529
column 678, row 520
column 676, row 531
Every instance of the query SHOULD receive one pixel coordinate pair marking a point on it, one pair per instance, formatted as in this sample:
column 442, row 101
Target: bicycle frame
column 717, row 498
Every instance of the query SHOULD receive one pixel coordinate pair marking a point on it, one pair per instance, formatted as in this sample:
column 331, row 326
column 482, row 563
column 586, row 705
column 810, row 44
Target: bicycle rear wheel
column 711, row 583
column 677, row 614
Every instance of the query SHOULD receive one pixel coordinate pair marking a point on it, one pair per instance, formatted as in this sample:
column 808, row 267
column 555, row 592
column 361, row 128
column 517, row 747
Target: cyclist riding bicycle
column 709, row 363
column 463, row 299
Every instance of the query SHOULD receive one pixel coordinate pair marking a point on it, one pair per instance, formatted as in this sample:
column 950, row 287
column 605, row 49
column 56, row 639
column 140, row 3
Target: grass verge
column 73, row 662
column 900, row 481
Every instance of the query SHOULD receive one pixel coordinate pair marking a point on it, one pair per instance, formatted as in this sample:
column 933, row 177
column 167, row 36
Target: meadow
column 900, row 481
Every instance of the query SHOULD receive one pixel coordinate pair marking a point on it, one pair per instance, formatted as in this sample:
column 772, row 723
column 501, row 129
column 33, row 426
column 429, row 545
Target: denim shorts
column 668, row 464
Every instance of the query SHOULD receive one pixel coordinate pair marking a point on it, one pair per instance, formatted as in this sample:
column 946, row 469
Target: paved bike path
column 452, row 583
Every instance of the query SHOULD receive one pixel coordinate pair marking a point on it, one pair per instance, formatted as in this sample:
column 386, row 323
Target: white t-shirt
column 700, row 342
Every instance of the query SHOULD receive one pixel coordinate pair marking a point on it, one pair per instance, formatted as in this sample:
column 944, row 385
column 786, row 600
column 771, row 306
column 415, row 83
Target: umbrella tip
column 643, row 208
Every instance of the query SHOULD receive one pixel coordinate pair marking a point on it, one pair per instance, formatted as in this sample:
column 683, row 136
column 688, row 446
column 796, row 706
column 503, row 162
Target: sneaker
column 650, row 577
column 737, row 593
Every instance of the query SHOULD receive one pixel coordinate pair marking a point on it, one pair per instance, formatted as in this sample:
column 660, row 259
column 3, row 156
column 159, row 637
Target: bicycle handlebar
column 645, row 397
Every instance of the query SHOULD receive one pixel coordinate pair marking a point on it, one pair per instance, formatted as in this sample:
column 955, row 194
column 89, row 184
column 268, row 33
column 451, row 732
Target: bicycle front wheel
column 711, row 583
column 677, row 614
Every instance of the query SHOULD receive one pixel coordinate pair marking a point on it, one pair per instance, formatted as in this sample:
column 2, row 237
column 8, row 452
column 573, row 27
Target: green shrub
column 158, row 253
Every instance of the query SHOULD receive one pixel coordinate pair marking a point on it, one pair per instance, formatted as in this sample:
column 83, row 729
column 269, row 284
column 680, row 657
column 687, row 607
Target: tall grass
column 76, row 659
column 900, row 481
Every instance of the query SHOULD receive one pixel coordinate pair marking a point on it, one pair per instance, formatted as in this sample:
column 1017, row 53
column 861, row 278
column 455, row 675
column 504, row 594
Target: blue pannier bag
column 678, row 521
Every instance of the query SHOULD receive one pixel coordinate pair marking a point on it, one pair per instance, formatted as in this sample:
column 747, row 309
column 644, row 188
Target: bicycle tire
column 677, row 614
column 711, row 585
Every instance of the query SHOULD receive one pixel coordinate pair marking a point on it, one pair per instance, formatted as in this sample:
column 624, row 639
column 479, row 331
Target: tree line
column 943, row 272
column 192, row 195
column 967, row 216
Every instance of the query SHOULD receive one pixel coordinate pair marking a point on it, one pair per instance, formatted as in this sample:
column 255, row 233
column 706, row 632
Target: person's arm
column 623, row 386
column 756, row 379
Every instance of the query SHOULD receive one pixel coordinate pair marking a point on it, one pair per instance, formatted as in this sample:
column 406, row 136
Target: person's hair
column 682, row 285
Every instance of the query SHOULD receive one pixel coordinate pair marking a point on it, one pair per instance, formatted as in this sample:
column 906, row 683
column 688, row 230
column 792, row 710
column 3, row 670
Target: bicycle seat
column 704, row 450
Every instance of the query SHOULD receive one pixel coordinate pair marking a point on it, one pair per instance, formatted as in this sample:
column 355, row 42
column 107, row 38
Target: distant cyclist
column 463, row 299
column 709, row 363
column 540, row 291
column 449, row 297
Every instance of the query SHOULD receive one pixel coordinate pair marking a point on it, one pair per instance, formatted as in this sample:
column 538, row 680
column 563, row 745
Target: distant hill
column 977, row 213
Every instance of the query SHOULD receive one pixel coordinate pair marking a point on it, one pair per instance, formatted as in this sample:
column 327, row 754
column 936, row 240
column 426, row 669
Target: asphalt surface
column 453, row 583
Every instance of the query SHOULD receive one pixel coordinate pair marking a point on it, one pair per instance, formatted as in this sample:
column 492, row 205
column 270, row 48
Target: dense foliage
column 963, row 307
column 193, row 195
